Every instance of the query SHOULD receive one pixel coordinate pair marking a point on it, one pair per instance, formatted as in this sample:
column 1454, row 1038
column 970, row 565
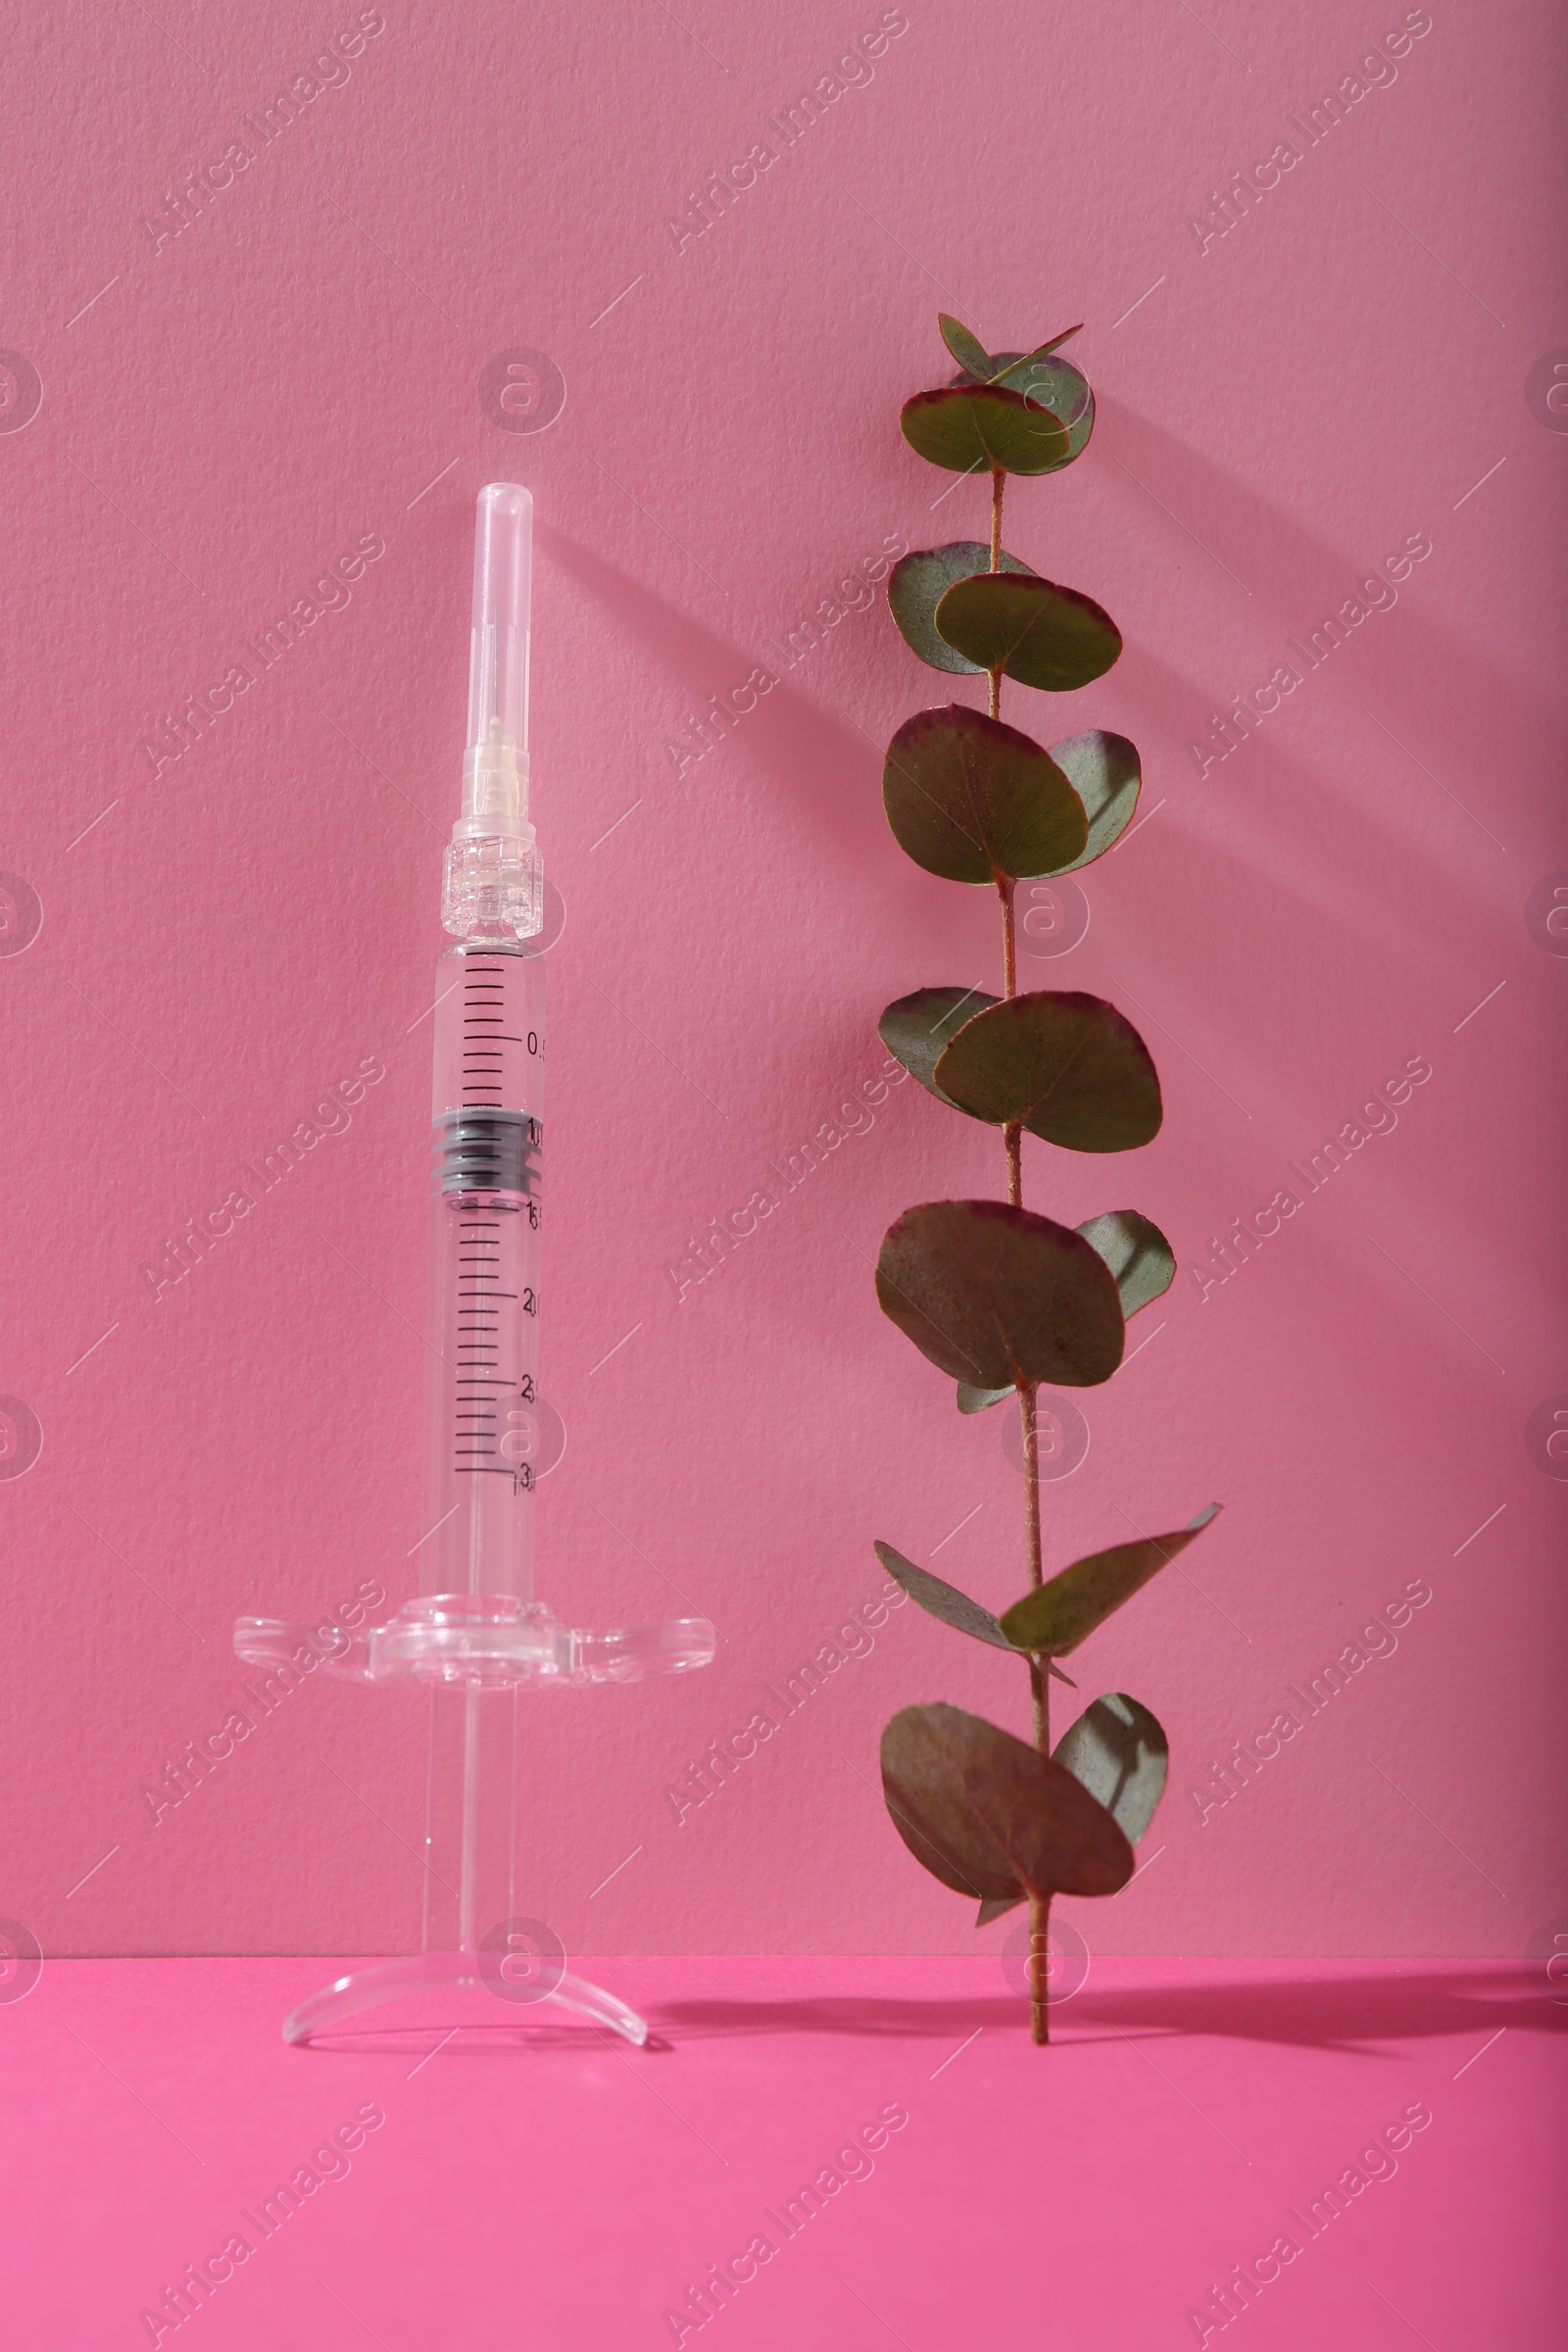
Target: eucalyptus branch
column 999, row 1298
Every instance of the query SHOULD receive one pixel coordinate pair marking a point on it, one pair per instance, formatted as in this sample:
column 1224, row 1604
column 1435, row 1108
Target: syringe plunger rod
column 492, row 877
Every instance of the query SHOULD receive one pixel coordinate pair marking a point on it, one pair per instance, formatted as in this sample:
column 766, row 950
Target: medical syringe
column 475, row 1636
column 482, row 1447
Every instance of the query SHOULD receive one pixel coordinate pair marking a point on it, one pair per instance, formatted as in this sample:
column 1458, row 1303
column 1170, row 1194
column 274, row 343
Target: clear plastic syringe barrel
column 482, row 1430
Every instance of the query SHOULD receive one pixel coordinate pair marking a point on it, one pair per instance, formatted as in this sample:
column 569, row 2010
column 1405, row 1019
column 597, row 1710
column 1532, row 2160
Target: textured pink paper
column 316, row 366
column 1191, row 2115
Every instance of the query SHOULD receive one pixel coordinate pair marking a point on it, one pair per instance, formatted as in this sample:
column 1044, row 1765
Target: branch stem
column 1039, row 1969
column 1012, row 1138
column 994, row 677
column 1013, row 1131
column 1006, row 887
column 1040, row 1695
column 1012, row 1141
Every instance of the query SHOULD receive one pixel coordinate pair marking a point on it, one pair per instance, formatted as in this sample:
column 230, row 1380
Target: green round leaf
column 1136, row 1251
column 987, row 1817
column 916, row 585
column 994, row 1294
column 1067, row 1066
column 1056, row 384
column 963, row 428
column 1102, row 770
column 1060, row 1614
column 1120, row 1754
column 1030, row 629
column 970, row 355
column 917, row 1028
column 975, row 801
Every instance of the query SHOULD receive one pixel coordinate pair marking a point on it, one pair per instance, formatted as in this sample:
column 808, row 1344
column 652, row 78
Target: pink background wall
column 1363, row 359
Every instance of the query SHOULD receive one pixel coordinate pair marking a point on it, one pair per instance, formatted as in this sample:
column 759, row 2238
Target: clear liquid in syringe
column 482, row 1431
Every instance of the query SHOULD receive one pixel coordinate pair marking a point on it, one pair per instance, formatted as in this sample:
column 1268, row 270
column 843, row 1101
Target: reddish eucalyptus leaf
column 916, row 585
column 1065, row 1065
column 975, row 801
column 1044, row 636
column 996, row 1906
column 966, row 427
column 994, row 1294
column 989, row 1817
column 1056, row 385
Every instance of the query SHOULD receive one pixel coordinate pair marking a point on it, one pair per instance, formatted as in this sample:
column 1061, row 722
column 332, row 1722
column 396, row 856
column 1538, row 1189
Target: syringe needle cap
column 492, row 869
column 503, row 567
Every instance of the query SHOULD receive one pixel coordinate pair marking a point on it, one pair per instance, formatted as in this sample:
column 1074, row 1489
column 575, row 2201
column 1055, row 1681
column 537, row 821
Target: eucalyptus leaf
column 1044, row 636
column 1103, row 770
column 1056, row 1618
column 974, row 800
column 1065, row 1065
column 963, row 428
column 941, row 1600
column 980, row 1401
column 1137, row 1254
column 994, row 1295
column 980, row 366
column 970, row 354
column 1055, row 384
column 989, row 1817
column 915, row 1029
column 1003, row 365
column 995, row 1905
column 923, row 1790
column 1121, row 1754
column 920, row 579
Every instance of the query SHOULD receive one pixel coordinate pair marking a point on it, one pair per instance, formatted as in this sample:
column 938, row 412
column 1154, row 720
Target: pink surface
column 571, row 2195
column 302, row 371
